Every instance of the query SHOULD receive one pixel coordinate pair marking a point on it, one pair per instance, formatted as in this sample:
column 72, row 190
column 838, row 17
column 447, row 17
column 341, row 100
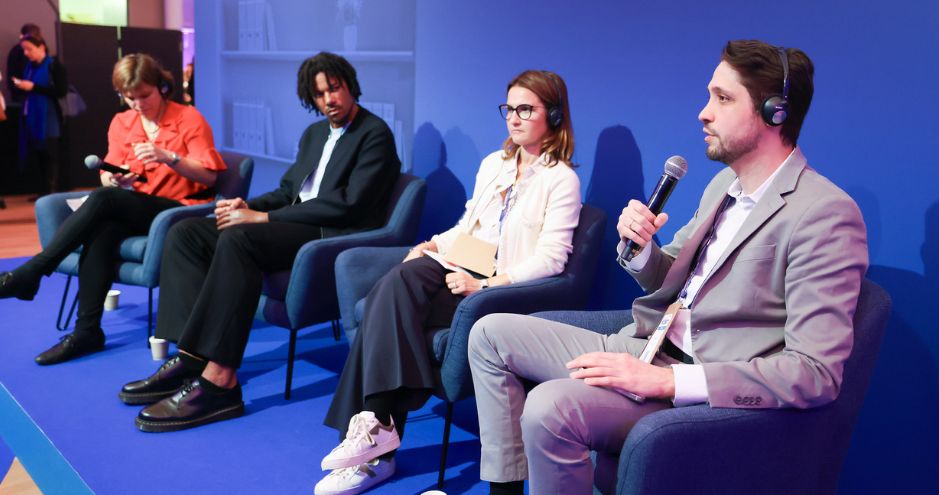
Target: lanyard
column 709, row 237
column 506, row 206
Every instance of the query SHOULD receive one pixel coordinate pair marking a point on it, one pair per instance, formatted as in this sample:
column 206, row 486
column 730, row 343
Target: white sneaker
column 365, row 440
column 355, row 479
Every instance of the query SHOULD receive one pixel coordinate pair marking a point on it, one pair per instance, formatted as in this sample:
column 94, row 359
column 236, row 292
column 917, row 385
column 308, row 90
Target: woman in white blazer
column 526, row 201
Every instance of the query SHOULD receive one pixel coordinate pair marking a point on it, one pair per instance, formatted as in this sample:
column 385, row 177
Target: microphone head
column 92, row 162
column 676, row 167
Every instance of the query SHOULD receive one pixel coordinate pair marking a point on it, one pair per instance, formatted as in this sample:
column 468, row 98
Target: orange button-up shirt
column 182, row 130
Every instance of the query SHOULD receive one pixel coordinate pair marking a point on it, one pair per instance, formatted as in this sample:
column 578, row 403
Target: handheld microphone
column 675, row 168
column 95, row 163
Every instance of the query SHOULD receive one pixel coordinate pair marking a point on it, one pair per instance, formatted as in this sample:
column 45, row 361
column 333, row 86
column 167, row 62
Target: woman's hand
column 462, row 284
column 147, row 153
column 23, row 84
column 418, row 251
column 118, row 180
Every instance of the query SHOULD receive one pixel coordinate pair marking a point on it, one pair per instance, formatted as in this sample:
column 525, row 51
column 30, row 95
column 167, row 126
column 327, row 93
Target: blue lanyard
column 506, row 205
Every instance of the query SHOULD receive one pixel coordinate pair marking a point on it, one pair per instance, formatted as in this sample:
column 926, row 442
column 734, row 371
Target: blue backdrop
column 637, row 74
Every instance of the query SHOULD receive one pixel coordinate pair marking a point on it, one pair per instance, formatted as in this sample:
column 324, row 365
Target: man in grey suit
column 763, row 280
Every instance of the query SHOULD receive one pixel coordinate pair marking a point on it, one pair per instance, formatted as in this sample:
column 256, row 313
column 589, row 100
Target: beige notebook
column 473, row 254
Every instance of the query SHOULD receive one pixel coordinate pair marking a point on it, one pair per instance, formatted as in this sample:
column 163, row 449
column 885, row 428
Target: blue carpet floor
column 73, row 435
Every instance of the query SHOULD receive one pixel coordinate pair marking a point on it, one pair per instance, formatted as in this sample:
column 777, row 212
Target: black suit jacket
column 357, row 185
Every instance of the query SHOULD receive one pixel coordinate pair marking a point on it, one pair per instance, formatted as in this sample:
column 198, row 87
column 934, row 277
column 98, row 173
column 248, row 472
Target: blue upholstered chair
column 306, row 294
column 139, row 256
column 700, row 449
column 357, row 270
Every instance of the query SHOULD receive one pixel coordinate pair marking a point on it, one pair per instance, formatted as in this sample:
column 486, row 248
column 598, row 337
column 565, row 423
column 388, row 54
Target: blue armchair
column 306, row 294
column 357, row 270
column 731, row 451
column 139, row 256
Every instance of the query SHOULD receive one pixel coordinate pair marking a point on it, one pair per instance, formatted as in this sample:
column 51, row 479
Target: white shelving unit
column 383, row 57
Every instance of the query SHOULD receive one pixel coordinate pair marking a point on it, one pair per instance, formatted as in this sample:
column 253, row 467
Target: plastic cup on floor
column 111, row 301
column 159, row 348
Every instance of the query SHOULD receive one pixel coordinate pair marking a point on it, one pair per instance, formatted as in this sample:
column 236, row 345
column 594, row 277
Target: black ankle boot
column 18, row 285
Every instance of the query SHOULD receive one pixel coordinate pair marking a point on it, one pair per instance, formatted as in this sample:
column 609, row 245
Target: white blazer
column 538, row 229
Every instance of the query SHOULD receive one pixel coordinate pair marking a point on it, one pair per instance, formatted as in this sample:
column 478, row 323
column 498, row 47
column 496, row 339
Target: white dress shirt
column 311, row 185
column 690, row 384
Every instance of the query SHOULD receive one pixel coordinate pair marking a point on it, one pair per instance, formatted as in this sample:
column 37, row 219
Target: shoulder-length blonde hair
column 552, row 91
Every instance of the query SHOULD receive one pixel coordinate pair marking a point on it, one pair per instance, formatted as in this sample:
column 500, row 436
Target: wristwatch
column 174, row 160
column 483, row 283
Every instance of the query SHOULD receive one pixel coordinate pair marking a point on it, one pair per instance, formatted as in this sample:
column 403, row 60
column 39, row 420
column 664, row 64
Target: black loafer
column 13, row 286
column 72, row 346
column 167, row 380
column 192, row 406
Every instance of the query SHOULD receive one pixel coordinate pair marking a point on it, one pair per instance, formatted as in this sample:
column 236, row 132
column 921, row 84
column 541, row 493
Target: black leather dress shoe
column 192, row 406
column 13, row 286
column 167, row 380
column 72, row 346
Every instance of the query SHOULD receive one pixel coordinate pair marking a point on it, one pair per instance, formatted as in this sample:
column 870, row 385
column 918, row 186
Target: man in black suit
column 212, row 268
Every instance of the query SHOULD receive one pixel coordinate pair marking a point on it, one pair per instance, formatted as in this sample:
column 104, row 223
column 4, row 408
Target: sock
column 507, row 487
column 382, row 404
column 213, row 388
column 192, row 363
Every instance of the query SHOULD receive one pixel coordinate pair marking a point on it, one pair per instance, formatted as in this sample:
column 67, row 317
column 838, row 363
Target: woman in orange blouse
column 168, row 144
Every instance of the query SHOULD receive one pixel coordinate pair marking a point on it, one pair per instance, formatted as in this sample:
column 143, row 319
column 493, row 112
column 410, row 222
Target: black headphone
column 775, row 108
column 163, row 85
column 555, row 112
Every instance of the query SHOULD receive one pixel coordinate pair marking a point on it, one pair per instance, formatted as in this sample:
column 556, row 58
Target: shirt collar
column 736, row 189
column 337, row 132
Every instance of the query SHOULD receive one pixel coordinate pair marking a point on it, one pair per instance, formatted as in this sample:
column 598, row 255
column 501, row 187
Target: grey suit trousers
column 547, row 438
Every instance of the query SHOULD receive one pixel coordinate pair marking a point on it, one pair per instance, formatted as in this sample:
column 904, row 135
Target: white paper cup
column 433, row 492
column 159, row 348
column 110, row 302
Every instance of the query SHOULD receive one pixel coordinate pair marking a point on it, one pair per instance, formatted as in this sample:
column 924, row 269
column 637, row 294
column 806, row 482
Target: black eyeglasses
column 523, row 111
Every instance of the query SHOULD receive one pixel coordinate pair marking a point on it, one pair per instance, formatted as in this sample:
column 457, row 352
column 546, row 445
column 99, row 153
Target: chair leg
column 448, row 420
column 149, row 315
column 292, row 350
column 336, row 330
column 58, row 321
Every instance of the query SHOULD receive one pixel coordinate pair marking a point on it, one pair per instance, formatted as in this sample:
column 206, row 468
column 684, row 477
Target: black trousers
column 44, row 157
column 391, row 350
column 211, row 280
column 108, row 216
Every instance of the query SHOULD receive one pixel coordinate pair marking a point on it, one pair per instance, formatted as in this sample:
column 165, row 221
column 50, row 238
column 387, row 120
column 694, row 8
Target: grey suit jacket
column 772, row 325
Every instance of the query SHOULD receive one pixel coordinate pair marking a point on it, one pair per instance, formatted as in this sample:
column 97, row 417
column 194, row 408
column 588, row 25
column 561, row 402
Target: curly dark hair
column 333, row 66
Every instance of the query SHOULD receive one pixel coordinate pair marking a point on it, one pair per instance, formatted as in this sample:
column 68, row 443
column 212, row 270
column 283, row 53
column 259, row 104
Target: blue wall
column 637, row 73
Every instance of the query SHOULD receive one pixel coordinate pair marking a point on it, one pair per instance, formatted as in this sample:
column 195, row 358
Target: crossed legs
column 548, row 435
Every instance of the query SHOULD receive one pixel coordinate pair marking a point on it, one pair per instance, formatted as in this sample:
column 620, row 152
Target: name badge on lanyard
column 655, row 341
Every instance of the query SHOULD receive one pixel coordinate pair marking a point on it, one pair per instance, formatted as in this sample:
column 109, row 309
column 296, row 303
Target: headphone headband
column 775, row 108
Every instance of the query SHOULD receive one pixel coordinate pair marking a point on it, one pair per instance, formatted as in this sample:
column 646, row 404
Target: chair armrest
column 605, row 322
column 51, row 211
column 357, row 271
column 521, row 298
column 157, row 235
column 313, row 275
column 750, row 446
